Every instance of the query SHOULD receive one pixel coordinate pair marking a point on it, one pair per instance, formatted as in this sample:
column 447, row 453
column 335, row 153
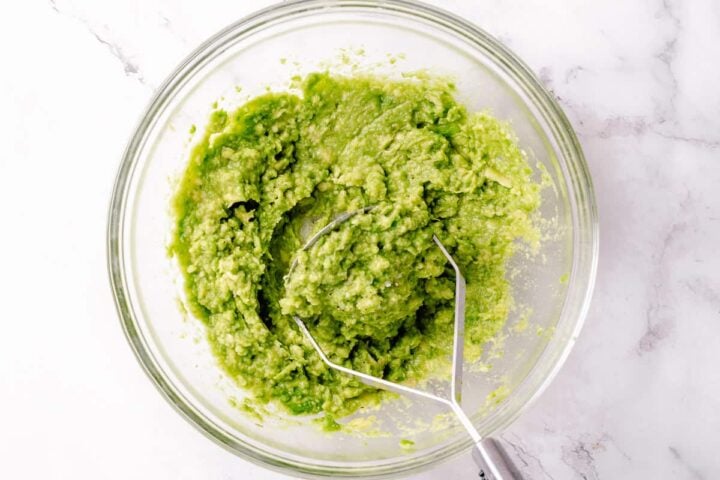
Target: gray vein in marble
column 699, row 142
column 573, row 72
column 700, row 288
column 669, row 10
column 130, row 68
column 546, row 76
column 591, row 124
column 663, row 121
column 599, row 444
column 521, row 453
column 617, row 447
column 580, row 459
column 579, row 454
column 689, row 468
column 622, row 127
column 669, row 52
column 659, row 314
column 666, row 57
column 167, row 24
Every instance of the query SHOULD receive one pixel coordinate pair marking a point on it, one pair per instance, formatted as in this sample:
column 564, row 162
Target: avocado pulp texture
column 376, row 292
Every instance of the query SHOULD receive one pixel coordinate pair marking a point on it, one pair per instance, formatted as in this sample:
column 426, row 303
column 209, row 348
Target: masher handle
column 494, row 462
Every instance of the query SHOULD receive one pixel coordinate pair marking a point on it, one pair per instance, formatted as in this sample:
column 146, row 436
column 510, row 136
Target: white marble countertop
column 639, row 396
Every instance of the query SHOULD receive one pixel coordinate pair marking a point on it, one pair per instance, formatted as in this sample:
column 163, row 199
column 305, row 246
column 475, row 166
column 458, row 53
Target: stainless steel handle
column 494, row 462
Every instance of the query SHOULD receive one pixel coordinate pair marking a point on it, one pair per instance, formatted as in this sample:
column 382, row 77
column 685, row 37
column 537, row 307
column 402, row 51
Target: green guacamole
column 376, row 292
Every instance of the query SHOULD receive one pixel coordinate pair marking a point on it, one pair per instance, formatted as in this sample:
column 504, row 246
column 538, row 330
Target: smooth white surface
column 638, row 398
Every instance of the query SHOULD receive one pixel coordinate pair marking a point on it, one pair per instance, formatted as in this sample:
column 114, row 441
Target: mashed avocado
column 376, row 293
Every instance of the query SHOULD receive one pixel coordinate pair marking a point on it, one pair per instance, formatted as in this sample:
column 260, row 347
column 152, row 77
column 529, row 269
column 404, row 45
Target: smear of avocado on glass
column 376, row 292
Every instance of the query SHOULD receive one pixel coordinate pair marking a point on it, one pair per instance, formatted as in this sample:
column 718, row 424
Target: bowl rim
column 586, row 240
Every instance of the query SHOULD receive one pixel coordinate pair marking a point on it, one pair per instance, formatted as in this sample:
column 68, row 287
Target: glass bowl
column 551, row 289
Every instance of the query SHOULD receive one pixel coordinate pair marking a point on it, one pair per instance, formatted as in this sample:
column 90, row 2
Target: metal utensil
column 489, row 455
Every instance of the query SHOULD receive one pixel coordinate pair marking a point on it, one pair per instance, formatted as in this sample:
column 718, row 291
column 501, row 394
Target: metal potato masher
column 489, row 455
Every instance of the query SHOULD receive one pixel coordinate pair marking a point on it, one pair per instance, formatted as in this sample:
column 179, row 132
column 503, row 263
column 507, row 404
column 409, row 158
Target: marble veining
column 130, row 68
column 689, row 468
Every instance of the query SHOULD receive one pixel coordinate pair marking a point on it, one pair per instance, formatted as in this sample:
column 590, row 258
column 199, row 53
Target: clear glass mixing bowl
column 388, row 36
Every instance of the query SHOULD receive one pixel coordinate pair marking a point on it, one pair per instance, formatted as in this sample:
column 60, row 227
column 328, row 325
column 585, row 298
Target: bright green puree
column 376, row 293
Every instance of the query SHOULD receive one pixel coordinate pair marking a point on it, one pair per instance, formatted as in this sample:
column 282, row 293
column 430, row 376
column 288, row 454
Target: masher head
column 458, row 333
